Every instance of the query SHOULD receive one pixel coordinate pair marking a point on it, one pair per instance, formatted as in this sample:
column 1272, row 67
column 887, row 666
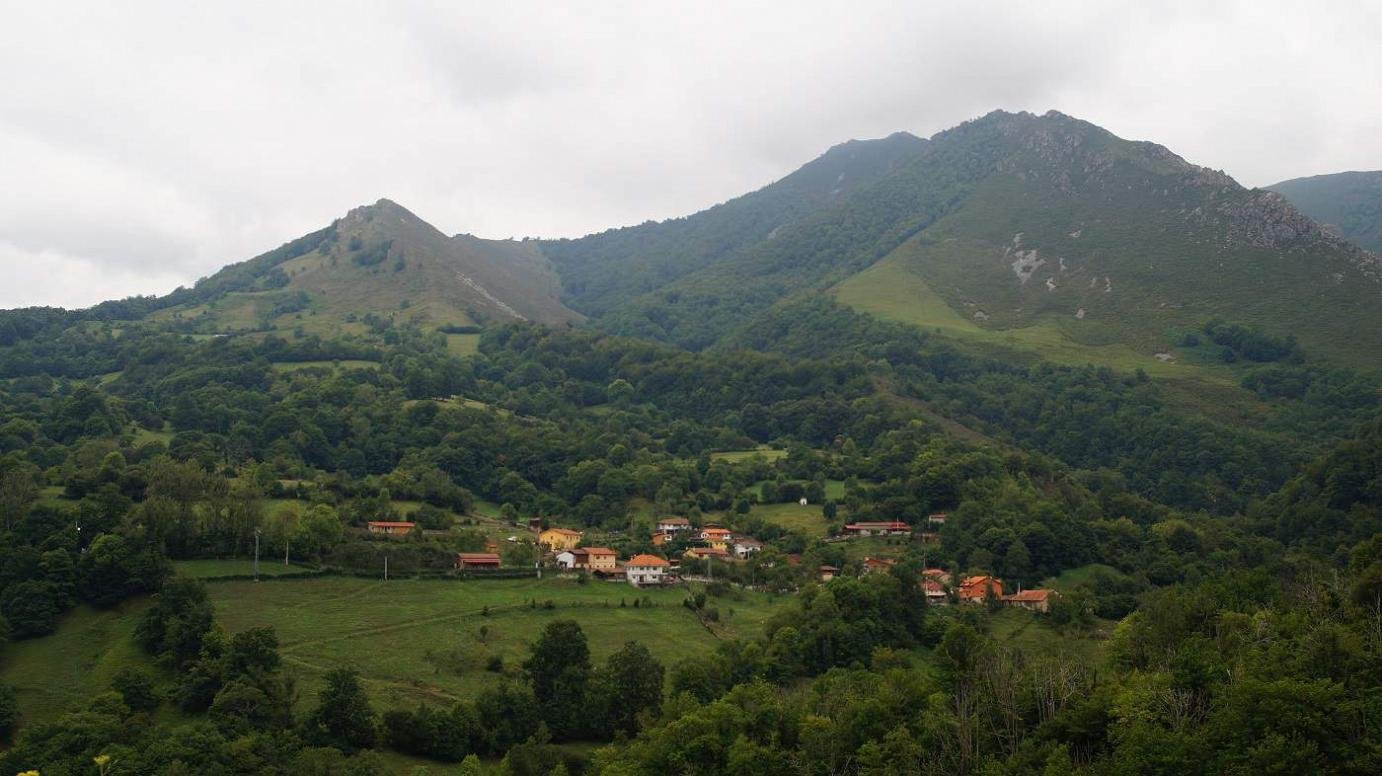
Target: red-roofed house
column 389, row 527
column 975, row 589
column 878, row 528
column 646, row 570
column 934, row 592
column 1035, row 600
column 467, row 561
column 717, row 537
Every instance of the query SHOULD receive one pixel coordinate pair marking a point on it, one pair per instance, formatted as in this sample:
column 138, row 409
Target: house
column 599, row 558
column 660, row 538
column 745, row 546
column 937, row 575
column 878, row 564
column 702, row 553
column 646, row 570
column 673, row 524
column 566, row 560
column 826, row 573
column 975, row 589
column 937, row 520
column 718, row 538
column 467, row 561
column 558, row 539
column 934, row 592
column 389, row 527
column 1034, row 600
column 878, row 528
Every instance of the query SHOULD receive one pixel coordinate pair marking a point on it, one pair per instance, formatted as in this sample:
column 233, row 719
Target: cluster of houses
column 936, row 585
column 719, row 543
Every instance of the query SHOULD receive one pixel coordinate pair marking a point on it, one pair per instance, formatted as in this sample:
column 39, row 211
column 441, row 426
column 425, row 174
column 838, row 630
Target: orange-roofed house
column 701, row 553
column 558, row 539
column 646, row 570
column 389, row 527
column 1035, row 600
column 975, row 589
column 717, row 537
column 600, row 558
column 469, row 561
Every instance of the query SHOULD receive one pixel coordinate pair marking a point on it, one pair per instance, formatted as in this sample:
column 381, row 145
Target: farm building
column 646, row 570
column 937, row 520
column 701, row 553
column 1034, row 600
column 389, row 527
column 872, row 565
column 878, row 528
column 467, row 561
column 673, row 524
column 826, row 573
column 558, row 539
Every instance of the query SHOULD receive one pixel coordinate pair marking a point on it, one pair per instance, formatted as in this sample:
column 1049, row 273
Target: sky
column 145, row 145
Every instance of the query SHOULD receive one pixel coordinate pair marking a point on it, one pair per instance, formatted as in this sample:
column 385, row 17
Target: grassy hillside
column 1076, row 244
column 1349, row 202
column 385, row 261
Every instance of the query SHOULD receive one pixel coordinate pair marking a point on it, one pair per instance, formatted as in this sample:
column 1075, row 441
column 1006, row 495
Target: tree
column 31, row 608
column 344, row 718
column 9, row 711
column 559, row 670
column 175, row 626
column 136, row 688
column 629, row 684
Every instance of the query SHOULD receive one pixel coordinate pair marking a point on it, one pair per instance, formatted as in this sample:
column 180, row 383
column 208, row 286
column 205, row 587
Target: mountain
column 1347, row 202
column 379, row 259
column 1038, row 232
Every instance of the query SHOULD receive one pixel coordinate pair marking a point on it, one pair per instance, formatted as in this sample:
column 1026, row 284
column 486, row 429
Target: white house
column 744, row 546
column 673, row 524
column 646, row 570
column 566, row 560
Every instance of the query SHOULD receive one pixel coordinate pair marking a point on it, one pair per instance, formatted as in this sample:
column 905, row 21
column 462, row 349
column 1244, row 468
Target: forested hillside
column 1349, row 202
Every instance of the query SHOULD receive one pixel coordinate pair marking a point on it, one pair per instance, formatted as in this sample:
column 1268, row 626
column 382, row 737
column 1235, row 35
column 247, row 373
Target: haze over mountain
column 1347, row 202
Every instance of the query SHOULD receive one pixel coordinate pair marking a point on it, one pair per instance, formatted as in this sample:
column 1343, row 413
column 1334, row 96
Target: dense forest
column 1238, row 566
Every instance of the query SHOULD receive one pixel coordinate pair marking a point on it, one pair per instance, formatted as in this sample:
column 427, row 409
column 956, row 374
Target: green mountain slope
column 1044, row 227
column 1348, row 202
column 378, row 259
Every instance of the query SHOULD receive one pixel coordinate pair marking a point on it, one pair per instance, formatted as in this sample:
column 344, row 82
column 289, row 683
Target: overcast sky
column 144, row 145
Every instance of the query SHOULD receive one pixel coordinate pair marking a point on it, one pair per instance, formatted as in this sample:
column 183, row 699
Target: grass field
column 892, row 290
column 806, row 519
column 143, row 436
column 210, row 569
column 414, row 640
column 463, row 344
column 53, row 673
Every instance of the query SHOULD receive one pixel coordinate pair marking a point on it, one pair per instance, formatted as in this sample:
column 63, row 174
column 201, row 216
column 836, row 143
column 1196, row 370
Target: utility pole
column 285, row 551
column 386, row 568
column 256, row 554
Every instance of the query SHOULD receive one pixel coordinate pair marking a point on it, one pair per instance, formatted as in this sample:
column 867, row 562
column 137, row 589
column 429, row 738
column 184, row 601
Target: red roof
column 716, row 532
column 645, row 560
column 673, row 521
column 932, row 587
column 389, row 524
column 1029, row 595
column 597, row 551
column 477, row 557
column 890, row 525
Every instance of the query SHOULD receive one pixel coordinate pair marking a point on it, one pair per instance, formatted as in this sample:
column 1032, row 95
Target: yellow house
column 717, row 538
column 558, row 539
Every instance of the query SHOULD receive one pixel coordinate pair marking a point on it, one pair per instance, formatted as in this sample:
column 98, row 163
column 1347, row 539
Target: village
column 563, row 554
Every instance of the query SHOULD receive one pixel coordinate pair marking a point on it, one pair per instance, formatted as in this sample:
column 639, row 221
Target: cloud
column 145, row 144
